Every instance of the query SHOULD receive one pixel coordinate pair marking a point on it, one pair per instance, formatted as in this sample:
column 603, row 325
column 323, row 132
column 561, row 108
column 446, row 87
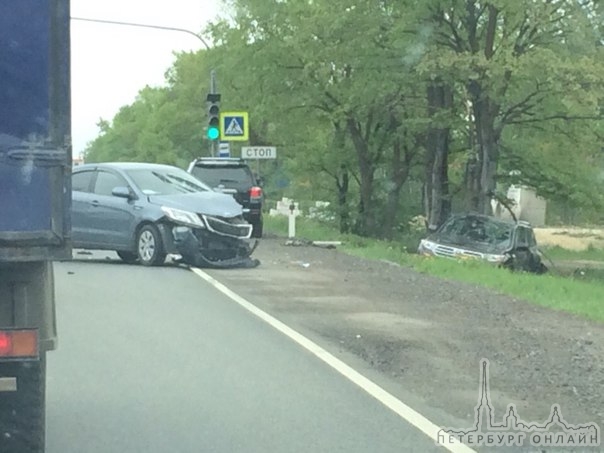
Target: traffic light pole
column 213, row 90
column 134, row 24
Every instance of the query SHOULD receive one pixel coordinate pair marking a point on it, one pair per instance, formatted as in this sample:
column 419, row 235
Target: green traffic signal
column 213, row 133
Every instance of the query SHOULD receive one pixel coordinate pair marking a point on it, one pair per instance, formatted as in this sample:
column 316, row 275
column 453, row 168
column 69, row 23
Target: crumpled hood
column 208, row 203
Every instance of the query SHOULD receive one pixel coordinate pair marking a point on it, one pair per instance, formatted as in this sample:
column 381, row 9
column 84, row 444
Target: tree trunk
column 366, row 225
column 342, row 178
column 437, row 202
column 400, row 172
column 342, row 182
column 441, row 200
column 487, row 135
column 489, row 157
column 471, row 184
column 485, row 111
column 471, row 174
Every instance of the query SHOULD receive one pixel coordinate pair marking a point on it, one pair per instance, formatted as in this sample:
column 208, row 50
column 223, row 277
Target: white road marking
column 387, row 399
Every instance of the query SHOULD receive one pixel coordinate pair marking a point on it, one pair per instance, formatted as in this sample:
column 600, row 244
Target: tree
column 315, row 51
column 512, row 58
column 364, row 99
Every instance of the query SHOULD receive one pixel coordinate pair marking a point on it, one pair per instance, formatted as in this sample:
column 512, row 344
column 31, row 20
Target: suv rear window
column 230, row 176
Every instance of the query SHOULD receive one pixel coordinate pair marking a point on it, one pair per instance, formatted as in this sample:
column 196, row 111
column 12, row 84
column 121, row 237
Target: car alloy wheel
column 149, row 246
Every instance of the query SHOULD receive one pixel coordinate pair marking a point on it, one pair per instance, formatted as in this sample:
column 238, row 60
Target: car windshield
column 159, row 181
column 477, row 232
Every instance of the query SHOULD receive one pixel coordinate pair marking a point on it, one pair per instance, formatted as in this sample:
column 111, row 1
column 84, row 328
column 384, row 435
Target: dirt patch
column 578, row 239
column 426, row 336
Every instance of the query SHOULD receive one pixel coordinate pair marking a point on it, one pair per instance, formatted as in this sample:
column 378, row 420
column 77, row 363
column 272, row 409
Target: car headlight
column 496, row 258
column 426, row 246
column 183, row 217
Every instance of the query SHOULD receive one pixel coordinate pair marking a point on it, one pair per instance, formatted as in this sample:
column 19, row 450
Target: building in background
column 526, row 205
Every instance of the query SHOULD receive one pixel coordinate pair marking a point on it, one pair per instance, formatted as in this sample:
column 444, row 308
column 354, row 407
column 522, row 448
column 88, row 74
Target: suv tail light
column 256, row 192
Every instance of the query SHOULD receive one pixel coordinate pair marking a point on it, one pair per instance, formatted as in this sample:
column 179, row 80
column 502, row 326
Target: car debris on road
column 304, row 242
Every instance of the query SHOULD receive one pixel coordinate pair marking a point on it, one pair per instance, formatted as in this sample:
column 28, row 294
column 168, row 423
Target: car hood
column 208, row 203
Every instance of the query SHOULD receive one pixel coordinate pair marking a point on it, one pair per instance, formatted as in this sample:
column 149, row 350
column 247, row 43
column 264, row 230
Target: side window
column 532, row 241
column 522, row 237
column 81, row 180
column 106, row 182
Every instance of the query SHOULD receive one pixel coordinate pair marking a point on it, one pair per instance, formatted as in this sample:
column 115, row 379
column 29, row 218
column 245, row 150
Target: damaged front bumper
column 220, row 244
column 429, row 248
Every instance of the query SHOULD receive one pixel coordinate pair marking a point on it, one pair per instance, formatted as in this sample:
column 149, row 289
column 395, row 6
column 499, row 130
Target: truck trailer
column 35, row 204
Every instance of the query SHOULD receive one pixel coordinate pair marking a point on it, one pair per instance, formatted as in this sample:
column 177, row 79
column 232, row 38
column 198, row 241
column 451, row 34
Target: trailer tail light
column 18, row 343
column 256, row 192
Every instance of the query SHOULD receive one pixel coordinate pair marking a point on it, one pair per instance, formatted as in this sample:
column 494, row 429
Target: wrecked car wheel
column 149, row 246
column 128, row 257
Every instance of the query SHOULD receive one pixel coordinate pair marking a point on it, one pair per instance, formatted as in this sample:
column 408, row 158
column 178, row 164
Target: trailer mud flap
column 22, row 412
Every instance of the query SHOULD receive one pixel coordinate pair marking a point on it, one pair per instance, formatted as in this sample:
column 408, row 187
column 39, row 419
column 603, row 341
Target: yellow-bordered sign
column 234, row 126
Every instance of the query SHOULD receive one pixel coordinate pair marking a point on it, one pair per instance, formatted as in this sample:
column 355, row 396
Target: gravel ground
column 426, row 336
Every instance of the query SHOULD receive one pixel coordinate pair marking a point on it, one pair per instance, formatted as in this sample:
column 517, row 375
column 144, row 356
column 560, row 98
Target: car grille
column 444, row 251
column 451, row 252
column 228, row 227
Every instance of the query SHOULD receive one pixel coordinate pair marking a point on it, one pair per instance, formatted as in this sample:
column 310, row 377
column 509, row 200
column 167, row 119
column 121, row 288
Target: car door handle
column 94, row 203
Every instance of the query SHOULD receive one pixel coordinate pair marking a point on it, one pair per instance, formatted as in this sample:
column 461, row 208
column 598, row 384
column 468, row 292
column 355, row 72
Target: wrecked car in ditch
column 145, row 212
column 508, row 244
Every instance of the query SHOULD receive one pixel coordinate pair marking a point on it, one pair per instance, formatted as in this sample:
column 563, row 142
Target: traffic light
column 213, row 117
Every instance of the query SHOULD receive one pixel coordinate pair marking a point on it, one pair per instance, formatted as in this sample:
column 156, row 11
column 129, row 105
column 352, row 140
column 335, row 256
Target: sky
column 110, row 64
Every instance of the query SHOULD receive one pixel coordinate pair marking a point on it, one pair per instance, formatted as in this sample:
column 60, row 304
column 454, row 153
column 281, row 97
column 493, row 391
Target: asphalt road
column 157, row 360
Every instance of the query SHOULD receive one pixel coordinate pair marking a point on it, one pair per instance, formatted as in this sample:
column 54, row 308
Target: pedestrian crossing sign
column 234, row 126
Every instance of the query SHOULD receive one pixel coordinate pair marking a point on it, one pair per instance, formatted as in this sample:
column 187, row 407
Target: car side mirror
column 122, row 192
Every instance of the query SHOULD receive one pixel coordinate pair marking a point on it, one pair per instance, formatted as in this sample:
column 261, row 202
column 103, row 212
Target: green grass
column 558, row 253
column 583, row 297
column 305, row 228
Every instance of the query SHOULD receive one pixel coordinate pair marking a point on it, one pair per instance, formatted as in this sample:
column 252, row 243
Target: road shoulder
column 422, row 338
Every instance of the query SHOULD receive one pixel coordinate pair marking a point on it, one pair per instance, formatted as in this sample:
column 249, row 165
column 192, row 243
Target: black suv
column 233, row 175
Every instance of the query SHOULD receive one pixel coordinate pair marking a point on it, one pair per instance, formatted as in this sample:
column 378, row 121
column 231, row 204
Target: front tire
column 149, row 246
